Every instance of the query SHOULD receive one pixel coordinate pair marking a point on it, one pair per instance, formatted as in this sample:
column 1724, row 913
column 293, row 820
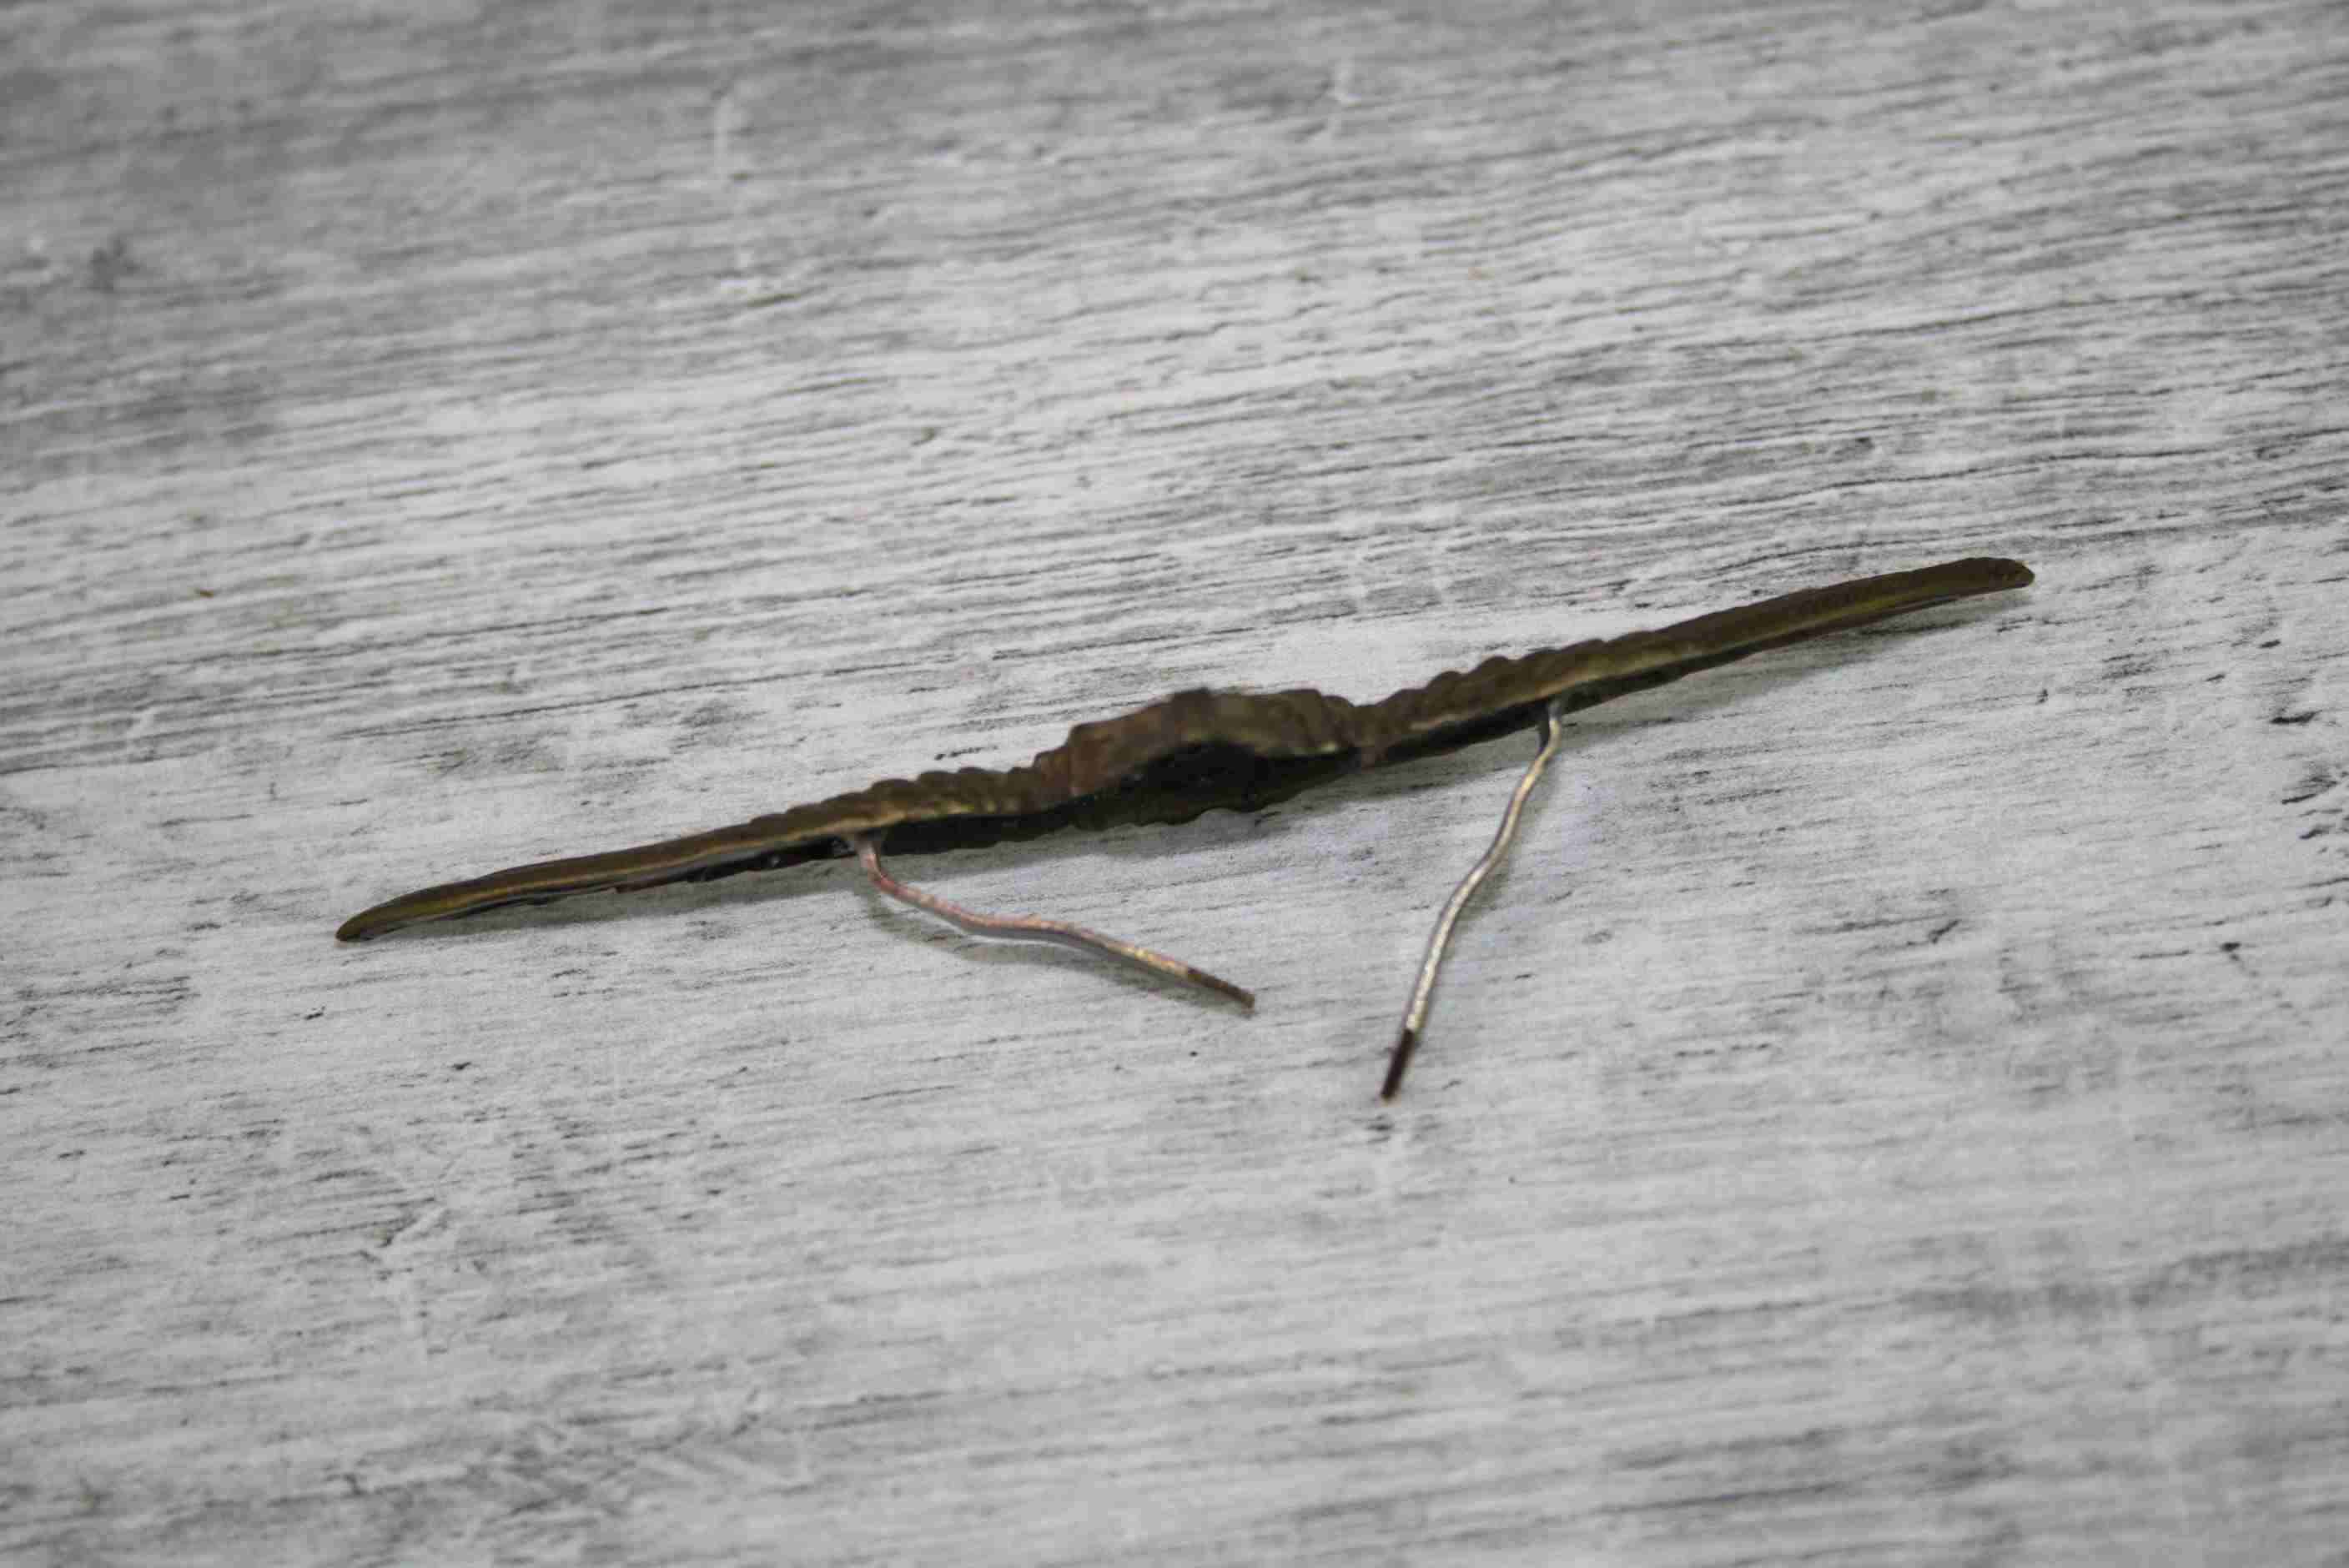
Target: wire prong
column 1422, row 993
column 1035, row 928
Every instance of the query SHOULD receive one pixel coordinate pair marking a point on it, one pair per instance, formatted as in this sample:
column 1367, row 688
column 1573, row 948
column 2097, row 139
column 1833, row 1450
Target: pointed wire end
column 1216, row 983
column 1399, row 1062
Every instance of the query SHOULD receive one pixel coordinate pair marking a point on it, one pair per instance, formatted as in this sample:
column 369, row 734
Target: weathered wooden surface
column 1893, row 1110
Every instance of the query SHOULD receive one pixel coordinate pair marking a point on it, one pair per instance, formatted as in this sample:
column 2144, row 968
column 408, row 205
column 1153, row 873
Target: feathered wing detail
column 1197, row 750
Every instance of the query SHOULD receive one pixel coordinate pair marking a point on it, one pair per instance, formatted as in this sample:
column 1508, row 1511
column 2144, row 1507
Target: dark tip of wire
column 1399, row 1062
column 1245, row 997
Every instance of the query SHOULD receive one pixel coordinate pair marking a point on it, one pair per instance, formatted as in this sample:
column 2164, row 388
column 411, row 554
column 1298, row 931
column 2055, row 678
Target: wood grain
column 1892, row 1108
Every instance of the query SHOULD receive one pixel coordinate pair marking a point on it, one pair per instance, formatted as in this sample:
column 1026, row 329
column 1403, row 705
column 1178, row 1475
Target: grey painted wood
column 1892, row 1109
